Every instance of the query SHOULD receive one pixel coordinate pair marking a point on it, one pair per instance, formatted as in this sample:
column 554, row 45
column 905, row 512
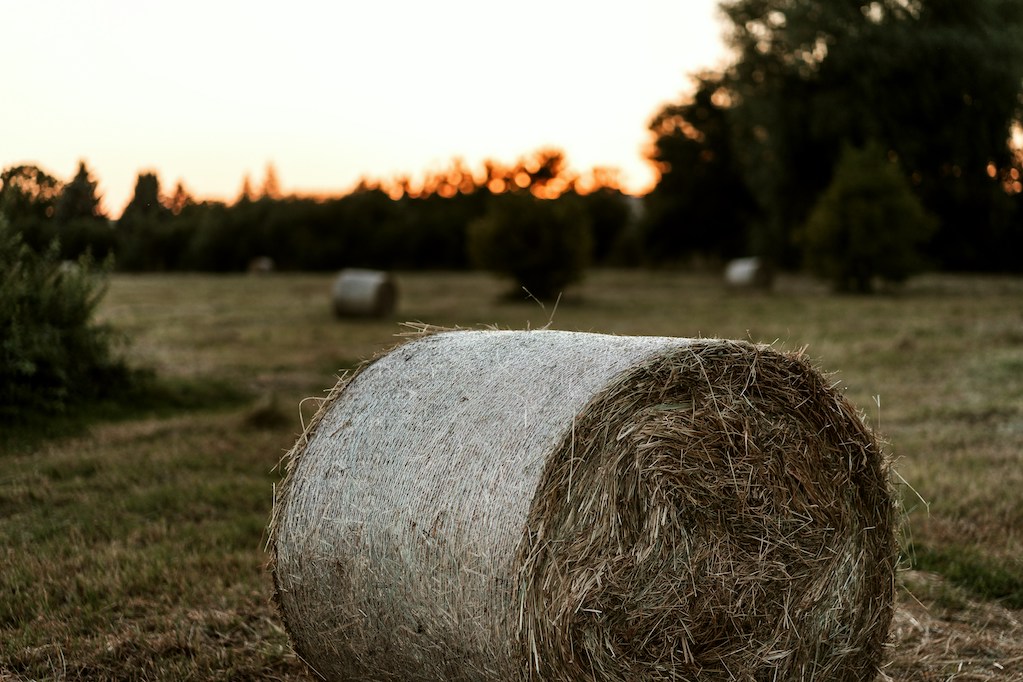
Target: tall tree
column 271, row 184
column 79, row 199
column 146, row 201
column 180, row 200
column 140, row 230
column 936, row 82
column 246, row 194
column 700, row 205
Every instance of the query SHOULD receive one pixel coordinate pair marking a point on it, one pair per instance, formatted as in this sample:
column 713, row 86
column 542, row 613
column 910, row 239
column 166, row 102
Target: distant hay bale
column 495, row 505
column 364, row 293
column 749, row 273
column 261, row 265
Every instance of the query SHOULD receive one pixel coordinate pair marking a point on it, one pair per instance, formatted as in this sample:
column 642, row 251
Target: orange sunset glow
column 208, row 93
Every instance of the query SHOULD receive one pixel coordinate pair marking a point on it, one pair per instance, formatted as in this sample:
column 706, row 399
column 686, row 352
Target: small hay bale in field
column 749, row 273
column 364, row 293
column 262, row 265
column 495, row 505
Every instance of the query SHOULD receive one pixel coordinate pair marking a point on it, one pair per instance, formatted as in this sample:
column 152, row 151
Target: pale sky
column 208, row 91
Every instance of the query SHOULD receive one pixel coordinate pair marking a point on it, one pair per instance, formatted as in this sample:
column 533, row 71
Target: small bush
column 52, row 353
column 543, row 244
column 867, row 224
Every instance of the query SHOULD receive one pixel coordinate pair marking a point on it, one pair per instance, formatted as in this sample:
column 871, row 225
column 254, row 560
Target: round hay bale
column 495, row 505
column 749, row 273
column 262, row 265
column 364, row 293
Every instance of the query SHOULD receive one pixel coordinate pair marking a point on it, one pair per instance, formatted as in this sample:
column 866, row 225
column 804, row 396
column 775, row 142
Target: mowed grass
column 133, row 548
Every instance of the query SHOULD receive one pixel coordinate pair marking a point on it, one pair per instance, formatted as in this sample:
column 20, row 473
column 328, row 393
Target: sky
column 207, row 92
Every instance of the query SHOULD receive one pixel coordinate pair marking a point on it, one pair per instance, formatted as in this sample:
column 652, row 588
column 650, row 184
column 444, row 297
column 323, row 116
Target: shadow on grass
column 146, row 395
column 981, row 576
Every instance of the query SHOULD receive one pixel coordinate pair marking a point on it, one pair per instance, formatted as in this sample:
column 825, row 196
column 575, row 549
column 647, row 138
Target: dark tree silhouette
column 78, row 199
column 28, row 192
column 700, row 205
column 936, row 82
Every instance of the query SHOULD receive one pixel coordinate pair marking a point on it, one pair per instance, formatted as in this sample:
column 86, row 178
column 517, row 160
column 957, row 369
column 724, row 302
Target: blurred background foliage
column 935, row 87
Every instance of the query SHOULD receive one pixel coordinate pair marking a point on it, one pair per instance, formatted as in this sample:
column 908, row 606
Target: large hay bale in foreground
column 364, row 293
column 494, row 505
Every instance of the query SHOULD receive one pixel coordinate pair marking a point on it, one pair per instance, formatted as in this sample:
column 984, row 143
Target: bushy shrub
column 543, row 244
column 866, row 225
column 52, row 353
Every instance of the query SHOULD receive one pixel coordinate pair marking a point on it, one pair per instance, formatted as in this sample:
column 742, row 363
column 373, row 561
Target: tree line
column 386, row 224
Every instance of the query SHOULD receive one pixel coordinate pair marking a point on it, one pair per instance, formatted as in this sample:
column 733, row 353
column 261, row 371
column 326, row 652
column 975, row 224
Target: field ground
column 133, row 548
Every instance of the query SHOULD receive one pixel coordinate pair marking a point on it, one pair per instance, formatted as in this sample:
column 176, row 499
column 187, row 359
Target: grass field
column 132, row 547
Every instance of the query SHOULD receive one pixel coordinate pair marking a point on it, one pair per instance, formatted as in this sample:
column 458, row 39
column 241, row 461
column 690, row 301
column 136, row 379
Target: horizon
column 330, row 95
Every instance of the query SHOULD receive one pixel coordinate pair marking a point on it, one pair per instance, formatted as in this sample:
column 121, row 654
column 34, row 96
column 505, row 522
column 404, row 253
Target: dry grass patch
column 940, row 633
column 135, row 553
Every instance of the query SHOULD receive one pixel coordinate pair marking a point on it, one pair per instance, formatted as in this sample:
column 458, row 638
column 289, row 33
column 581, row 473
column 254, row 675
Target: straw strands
column 496, row 505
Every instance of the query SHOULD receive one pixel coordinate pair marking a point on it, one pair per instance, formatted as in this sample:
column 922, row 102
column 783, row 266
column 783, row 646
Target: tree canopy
column 937, row 83
column 28, row 192
column 397, row 223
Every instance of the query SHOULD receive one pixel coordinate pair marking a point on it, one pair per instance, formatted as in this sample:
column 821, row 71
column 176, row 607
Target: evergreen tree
column 180, row 200
column 146, row 200
column 867, row 225
column 79, row 220
column 140, row 230
column 79, row 199
column 271, row 185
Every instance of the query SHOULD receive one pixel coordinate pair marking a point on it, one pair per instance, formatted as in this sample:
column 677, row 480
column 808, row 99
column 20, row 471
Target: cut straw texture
column 497, row 505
